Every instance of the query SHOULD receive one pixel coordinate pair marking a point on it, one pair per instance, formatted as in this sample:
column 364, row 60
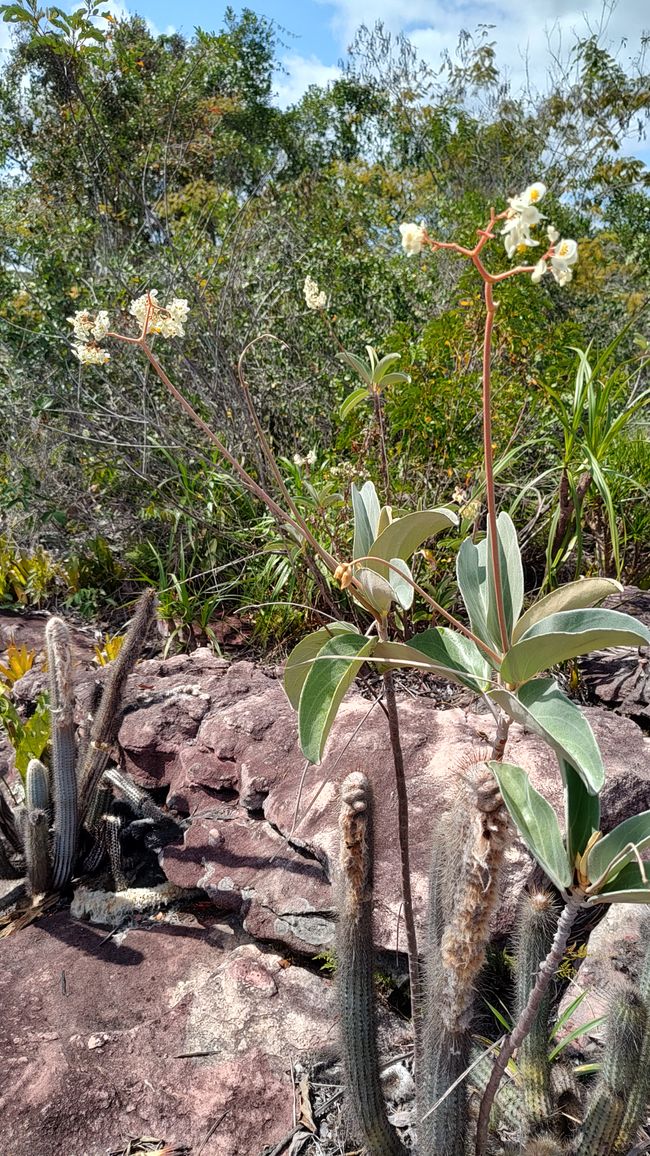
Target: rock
column 100, row 1038
column 229, row 757
column 619, row 678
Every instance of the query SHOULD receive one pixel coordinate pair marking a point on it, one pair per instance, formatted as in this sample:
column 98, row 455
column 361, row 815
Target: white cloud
column 298, row 72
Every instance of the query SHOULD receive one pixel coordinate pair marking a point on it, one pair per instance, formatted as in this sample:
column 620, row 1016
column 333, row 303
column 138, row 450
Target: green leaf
column 365, row 505
column 359, row 366
column 627, row 887
column 353, row 400
column 542, row 708
column 512, row 578
column 581, row 1030
column 378, row 590
column 300, row 660
column 442, row 652
column 405, row 535
column 566, row 635
column 11, row 721
column 574, row 596
column 471, row 575
column 582, row 811
column 536, row 822
column 333, row 671
column 633, row 832
column 35, row 736
column 402, row 587
column 566, row 1015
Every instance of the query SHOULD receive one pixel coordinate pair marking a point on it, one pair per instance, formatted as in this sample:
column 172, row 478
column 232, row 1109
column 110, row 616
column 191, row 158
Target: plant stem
column 383, row 456
column 521, row 1029
column 490, row 309
column 403, row 839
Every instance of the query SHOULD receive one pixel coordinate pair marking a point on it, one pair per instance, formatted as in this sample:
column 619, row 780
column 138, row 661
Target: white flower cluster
column 308, row 460
column 167, row 320
column 89, row 329
column 412, row 238
column 523, row 214
column 314, row 298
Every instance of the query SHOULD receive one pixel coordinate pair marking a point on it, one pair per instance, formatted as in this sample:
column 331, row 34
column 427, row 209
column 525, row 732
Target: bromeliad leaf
column 628, row 887
column 541, row 706
column 536, row 822
column 581, row 809
column 574, row 596
column 566, row 635
column 300, row 660
column 332, row 672
column 625, row 843
column 365, row 505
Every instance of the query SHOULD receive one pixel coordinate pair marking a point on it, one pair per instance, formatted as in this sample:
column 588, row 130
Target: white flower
column 565, row 255
column 552, row 234
column 528, row 198
column 91, row 354
column 313, row 296
column 298, row 460
column 310, row 460
column 101, row 326
column 539, row 271
column 167, row 320
column 412, row 238
column 522, row 215
column 82, row 324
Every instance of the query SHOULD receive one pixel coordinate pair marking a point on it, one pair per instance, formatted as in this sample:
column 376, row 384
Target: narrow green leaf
column 627, row 887
column 300, row 660
column 35, row 736
column 574, row 596
column 566, row 1015
column 359, row 366
column 333, row 671
column 353, row 400
column 568, row 634
column 402, row 587
column 575, row 1035
column 535, row 821
column 582, row 810
column 512, row 577
column 633, row 832
column 542, row 708
column 365, row 505
column 471, row 575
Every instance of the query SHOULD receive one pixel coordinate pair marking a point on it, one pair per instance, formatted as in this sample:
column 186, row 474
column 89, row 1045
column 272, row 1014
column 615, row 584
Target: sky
column 314, row 34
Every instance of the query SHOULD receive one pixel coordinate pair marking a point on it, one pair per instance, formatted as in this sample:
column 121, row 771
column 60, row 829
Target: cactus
column 638, row 1094
column 64, row 777
column 355, row 969
column 115, row 822
column 37, row 828
column 627, row 1026
column 536, row 922
column 107, row 719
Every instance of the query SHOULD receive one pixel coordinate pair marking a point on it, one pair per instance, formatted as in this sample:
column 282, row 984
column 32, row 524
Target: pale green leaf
column 405, row 535
column 365, row 505
column 359, row 366
column 574, row 596
column 300, row 660
column 402, row 586
column 581, row 810
column 512, row 578
column 333, row 671
column 568, row 634
column 542, row 708
column 628, row 887
column 471, row 575
column 437, row 652
column 535, row 821
column 378, row 590
column 633, row 833
column 353, row 400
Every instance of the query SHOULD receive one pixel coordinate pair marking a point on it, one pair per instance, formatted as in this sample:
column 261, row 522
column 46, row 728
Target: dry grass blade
column 22, row 917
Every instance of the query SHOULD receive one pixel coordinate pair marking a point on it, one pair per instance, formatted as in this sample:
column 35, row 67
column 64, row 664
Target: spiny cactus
column 37, row 827
column 355, row 969
column 115, row 823
column 64, row 775
column 638, row 1094
column 535, row 927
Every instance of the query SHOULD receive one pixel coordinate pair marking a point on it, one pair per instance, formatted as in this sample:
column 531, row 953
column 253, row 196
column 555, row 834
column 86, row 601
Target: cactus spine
column 638, row 1094
column 627, row 1024
column 536, row 923
column 115, row 822
column 37, row 827
column 64, row 777
column 355, row 969
column 108, row 717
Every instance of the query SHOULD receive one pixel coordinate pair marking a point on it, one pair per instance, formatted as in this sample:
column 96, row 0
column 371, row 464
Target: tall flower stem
column 490, row 310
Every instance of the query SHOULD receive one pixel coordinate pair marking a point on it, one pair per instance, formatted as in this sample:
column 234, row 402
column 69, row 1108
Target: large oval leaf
column 405, row 535
column 441, row 652
column 574, row 596
column 471, row 575
column 566, row 635
column 542, row 708
column 633, row 833
column 353, row 400
column 299, row 662
column 332, row 672
column 512, row 578
column 628, row 887
column 365, row 506
column 535, row 821
column 401, row 579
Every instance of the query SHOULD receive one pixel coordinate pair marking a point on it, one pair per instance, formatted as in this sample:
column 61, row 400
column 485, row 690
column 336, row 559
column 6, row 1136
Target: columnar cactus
column 536, row 922
column 37, row 828
column 355, row 969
